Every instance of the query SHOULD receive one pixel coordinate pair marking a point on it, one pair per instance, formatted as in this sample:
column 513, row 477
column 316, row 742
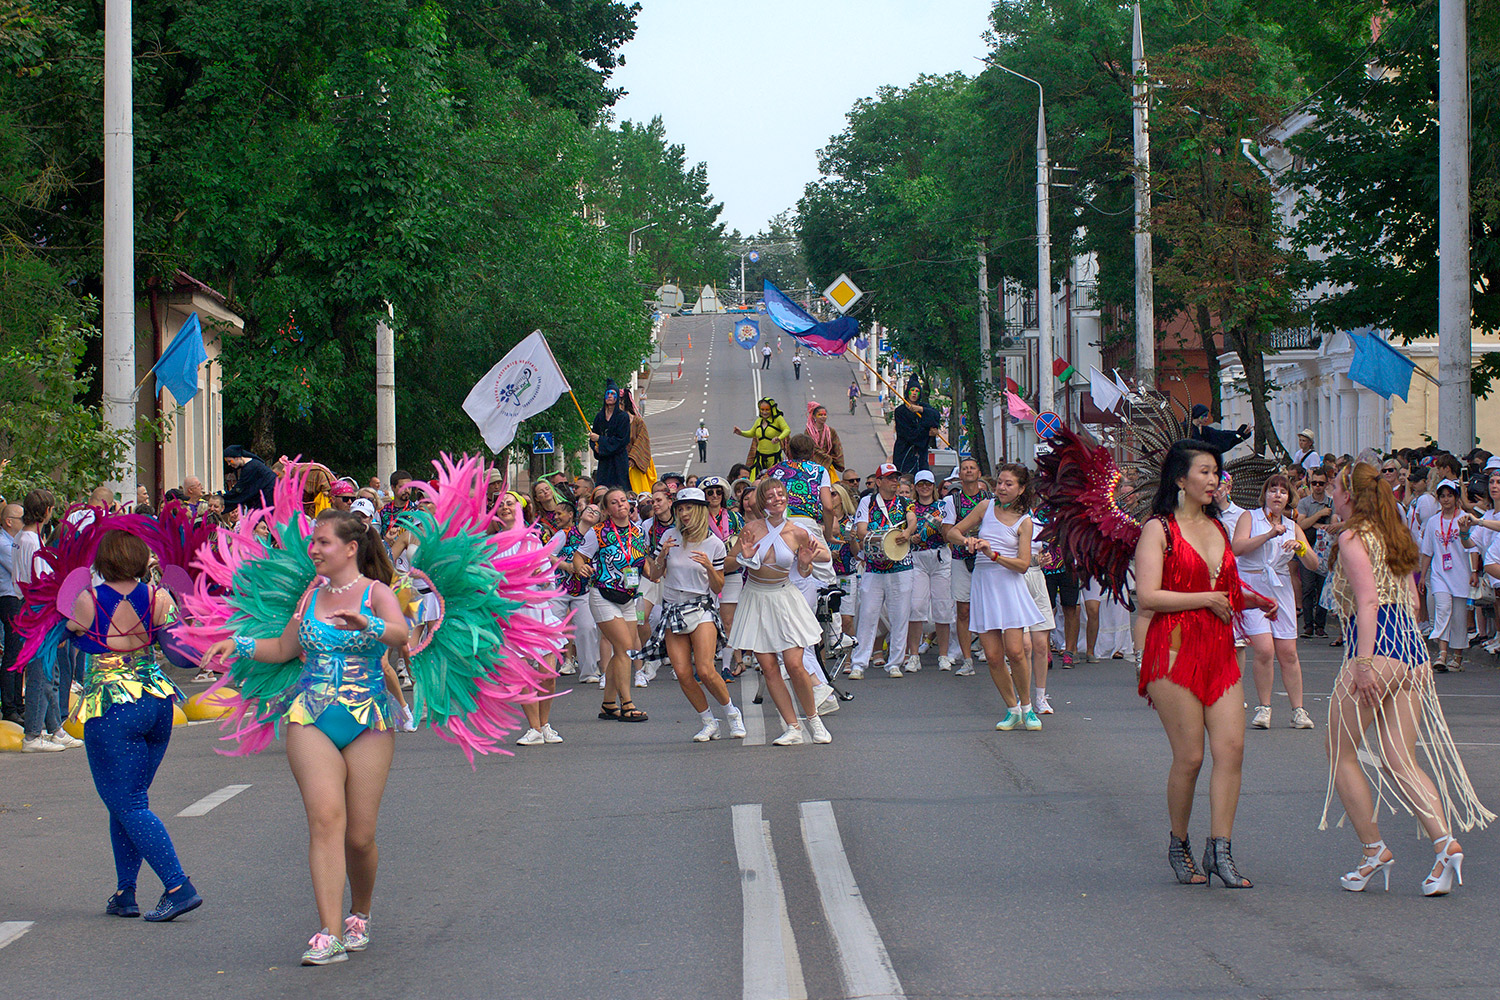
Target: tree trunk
column 978, row 433
column 1211, row 363
column 262, row 430
column 1253, row 360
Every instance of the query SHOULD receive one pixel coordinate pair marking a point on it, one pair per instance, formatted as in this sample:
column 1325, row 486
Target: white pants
column 585, row 631
column 888, row 592
column 932, row 587
column 1450, row 619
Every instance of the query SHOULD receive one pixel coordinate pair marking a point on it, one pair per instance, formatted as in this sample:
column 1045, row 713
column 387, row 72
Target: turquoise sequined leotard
column 342, row 687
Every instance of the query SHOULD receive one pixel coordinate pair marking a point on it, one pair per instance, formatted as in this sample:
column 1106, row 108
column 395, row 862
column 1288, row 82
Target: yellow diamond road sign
column 843, row 293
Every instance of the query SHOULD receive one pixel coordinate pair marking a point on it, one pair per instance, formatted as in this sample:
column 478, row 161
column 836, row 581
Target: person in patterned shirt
column 958, row 504
column 544, row 503
column 611, row 557
column 932, row 584
column 810, row 506
column 886, row 585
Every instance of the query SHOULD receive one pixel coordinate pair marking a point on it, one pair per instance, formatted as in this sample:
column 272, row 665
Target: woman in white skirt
column 932, row 576
column 510, row 507
column 773, row 616
column 611, row 557
column 1265, row 542
column 689, row 565
column 1001, row 608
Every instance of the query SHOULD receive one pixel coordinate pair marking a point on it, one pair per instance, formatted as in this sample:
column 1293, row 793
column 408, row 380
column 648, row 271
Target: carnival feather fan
column 1095, row 536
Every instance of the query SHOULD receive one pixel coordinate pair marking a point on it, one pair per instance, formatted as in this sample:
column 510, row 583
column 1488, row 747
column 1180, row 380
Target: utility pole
column 119, row 229
column 1044, row 260
column 987, row 425
column 1145, row 294
column 385, row 398
column 1455, row 325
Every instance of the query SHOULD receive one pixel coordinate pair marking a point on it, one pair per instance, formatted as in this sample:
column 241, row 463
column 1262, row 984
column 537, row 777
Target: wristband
column 244, row 647
column 375, row 628
column 1368, row 661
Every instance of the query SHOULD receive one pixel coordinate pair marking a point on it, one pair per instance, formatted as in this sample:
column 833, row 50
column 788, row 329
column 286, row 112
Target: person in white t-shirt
column 1448, row 566
column 701, row 436
column 1306, row 455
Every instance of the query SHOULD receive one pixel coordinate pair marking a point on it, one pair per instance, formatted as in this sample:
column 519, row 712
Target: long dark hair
column 372, row 558
column 1179, row 461
column 1023, row 479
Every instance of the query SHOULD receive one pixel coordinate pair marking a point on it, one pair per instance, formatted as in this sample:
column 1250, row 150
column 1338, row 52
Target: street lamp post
column 630, row 240
column 118, row 370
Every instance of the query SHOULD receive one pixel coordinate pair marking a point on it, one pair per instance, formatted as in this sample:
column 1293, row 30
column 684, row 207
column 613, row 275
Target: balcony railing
column 1298, row 338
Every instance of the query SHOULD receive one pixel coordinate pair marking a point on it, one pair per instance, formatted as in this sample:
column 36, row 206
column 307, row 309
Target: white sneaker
column 1300, row 719
column 41, row 744
column 736, row 720
column 791, row 737
column 827, row 702
column 549, row 734
column 569, row 667
column 945, row 663
column 710, row 731
column 965, row 669
column 1262, row 717
column 893, row 671
column 640, row 678
column 913, row 663
column 924, row 646
column 857, row 673
column 1043, row 707
column 63, row 738
column 531, row 738
column 590, row 679
column 818, row 731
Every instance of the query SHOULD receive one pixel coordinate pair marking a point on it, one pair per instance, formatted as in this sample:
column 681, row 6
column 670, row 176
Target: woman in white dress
column 1001, row 608
column 773, row 617
column 1265, row 542
column 689, row 564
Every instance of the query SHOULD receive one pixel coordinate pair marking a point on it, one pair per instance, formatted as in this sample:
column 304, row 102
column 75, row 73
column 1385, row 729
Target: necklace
column 340, row 589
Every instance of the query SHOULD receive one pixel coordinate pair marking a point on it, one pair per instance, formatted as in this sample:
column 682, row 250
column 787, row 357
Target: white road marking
column 863, row 961
column 10, row 930
column 772, row 967
column 208, row 803
column 755, row 715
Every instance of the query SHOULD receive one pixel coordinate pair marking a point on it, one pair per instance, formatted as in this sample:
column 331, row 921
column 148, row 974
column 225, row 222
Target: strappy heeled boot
column 1180, row 857
column 1217, row 860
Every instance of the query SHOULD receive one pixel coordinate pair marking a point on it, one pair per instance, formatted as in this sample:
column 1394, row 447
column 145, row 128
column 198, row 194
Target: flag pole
column 586, row 425
column 891, row 387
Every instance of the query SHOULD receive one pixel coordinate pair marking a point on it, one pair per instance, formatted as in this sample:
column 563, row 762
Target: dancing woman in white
column 1000, row 605
column 773, row 617
column 1265, row 541
column 689, row 563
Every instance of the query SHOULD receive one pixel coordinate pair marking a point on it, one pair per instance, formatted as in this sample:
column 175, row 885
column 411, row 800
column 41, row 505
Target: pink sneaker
column 1067, row 660
column 356, row 932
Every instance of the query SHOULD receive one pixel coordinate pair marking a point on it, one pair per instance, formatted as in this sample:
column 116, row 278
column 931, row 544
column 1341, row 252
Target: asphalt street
column 921, row 854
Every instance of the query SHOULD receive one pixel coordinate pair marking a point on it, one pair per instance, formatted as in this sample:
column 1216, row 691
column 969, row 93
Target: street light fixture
column 630, row 240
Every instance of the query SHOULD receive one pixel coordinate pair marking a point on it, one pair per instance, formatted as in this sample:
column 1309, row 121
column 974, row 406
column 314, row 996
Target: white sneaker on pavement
column 569, row 667
column 913, row 663
column 65, row 739
column 550, row 735
column 1042, row 705
column 531, row 738
column 945, row 662
column 1262, row 717
column 41, row 744
column 824, row 698
column 965, row 669
column 736, row 720
column 857, row 673
column 817, row 730
column 893, row 671
column 790, row 737
column 710, row 731
column 640, row 678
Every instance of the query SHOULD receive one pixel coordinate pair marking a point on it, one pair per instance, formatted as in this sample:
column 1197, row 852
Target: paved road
column 922, row 854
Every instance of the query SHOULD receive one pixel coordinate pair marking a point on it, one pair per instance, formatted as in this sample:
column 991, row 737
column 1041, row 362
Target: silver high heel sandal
column 1450, row 866
column 1369, row 864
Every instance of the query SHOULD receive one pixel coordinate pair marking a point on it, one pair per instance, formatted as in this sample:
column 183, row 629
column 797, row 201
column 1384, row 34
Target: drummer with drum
column 884, row 524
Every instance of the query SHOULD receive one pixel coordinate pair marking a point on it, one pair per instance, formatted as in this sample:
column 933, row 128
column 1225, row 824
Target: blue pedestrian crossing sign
column 746, row 333
column 1048, row 424
column 541, row 443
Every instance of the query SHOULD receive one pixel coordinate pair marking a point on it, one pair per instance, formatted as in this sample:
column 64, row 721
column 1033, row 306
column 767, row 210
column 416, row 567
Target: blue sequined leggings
column 125, row 746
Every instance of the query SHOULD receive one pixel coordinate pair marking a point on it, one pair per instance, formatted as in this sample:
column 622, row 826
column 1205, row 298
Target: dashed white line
column 208, row 803
column 10, row 930
column 772, row 967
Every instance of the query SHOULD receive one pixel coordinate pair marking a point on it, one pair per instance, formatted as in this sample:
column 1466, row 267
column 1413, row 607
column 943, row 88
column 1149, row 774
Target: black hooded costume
column 254, row 483
column 913, row 431
column 612, row 448
column 1211, row 435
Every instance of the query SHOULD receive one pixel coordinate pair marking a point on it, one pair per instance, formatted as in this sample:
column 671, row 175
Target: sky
column 755, row 89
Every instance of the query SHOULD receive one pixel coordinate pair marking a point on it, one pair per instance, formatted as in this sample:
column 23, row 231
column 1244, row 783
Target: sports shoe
column 1043, row 706
column 174, row 904
column 204, row 677
column 1090, row 658
column 549, row 734
column 736, row 720
column 122, row 904
column 710, row 731
column 945, row 663
column 826, row 701
column 893, row 671
column 965, row 669
column 640, row 678
column 1262, row 717
column 857, row 673
column 1033, row 724
column 41, row 744
column 590, row 679
column 1012, row 720
column 62, row 738
column 1067, row 661
column 324, row 949
column 818, row 731
column 791, row 737
column 356, row 932
column 924, row 646
column 1300, row 719
column 913, row 663
column 569, row 667
column 531, row 738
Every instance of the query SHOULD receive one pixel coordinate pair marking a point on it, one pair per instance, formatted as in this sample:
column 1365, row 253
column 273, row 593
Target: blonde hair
column 692, row 522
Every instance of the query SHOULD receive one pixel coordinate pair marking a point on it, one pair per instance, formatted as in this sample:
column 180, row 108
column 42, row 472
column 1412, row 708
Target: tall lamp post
column 1043, row 246
column 630, row 240
column 118, row 372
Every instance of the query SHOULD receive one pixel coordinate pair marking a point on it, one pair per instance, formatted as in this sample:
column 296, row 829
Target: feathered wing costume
column 482, row 660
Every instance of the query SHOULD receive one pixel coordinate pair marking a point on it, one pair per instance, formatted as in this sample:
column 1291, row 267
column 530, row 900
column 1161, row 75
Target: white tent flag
column 523, row 384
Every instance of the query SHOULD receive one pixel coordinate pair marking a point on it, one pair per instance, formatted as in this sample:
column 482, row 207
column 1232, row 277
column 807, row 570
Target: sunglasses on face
column 1317, row 482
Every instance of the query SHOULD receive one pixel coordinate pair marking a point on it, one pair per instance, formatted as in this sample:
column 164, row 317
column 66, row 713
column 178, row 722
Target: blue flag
column 1380, row 367
column 177, row 369
column 829, row 339
column 747, row 333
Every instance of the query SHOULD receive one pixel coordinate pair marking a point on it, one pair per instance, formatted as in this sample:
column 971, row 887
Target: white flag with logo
column 523, row 384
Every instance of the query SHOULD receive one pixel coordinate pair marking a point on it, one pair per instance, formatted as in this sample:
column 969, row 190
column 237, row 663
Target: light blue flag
column 1379, row 367
column 177, row 369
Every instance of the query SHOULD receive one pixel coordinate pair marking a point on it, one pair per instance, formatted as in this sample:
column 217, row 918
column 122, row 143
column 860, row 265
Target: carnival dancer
column 1386, row 680
column 917, row 422
column 510, row 510
column 846, row 564
column 574, row 599
column 1187, row 577
column 620, row 548
column 1265, row 541
column 810, row 506
column 546, row 510
column 610, row 437
column 886, row 583
column 768, row 434
column 1449, row 569
column 932, row 575
column 127, row 718
column 828, row 450
column 1001, row 607
column 773, row 617
column 958, row 505
column 689, row 562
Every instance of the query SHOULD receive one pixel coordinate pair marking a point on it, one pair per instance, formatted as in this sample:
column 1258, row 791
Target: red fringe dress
column 1204, row 643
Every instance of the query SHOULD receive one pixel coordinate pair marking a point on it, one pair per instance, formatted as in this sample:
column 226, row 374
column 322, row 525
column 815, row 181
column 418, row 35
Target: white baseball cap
column 925, row 477
column 362, row 506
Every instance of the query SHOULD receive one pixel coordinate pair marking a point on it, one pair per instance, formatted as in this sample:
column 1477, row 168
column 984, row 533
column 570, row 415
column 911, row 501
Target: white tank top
column 1004, row 539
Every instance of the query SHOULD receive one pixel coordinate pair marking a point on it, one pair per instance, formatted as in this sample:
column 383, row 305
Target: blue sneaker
column 123, row 904
column 174, row 904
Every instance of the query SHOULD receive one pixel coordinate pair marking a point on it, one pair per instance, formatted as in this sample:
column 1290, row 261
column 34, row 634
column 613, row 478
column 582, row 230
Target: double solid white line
column 772, row 969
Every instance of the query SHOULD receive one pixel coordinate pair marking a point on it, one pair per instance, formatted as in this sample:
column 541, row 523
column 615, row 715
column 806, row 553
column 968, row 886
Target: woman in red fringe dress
column 1186, row 576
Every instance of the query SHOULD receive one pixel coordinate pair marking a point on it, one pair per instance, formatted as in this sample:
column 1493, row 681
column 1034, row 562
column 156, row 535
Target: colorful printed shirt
column 573, row 586
column 959, row 505
column 804, row 482
column 881, row 521
column 617, row 554
column 546, row 525
column 929, row 515
column 845, row 555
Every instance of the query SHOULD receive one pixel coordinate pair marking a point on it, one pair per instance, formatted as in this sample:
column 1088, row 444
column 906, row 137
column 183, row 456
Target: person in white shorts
column 1448, row 567
column 932, row 575
column 958, row 505
column 611, row 557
